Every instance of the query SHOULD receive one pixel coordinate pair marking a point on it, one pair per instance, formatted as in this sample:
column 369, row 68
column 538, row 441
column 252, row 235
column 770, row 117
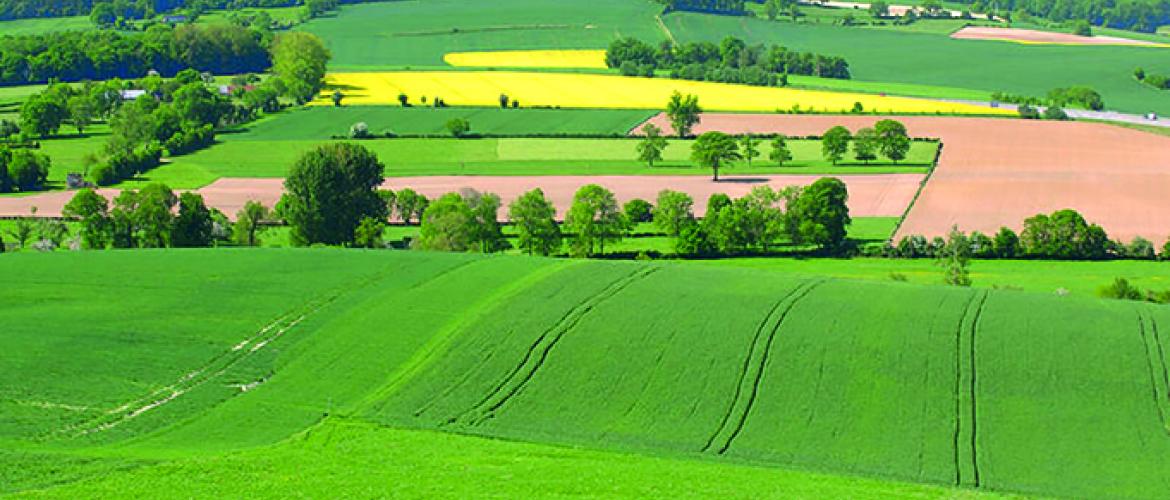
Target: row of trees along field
column 101, row 55
column 222, row 48
column 1136, row 15
column 153, row 217
column 139, row 9
column 731, row 61
column 1064, row 235
column 170, row 116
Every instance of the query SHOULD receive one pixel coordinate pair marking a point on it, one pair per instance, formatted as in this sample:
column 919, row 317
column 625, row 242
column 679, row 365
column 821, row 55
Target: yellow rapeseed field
column 528, row 59
column 567, row 90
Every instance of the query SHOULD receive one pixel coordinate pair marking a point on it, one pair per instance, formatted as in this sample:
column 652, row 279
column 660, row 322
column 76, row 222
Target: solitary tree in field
column 893, row 140
column 249, row 222
column 299, row 59
column 683, row 113
column 713, row 150
column 403, row 100
column 750, row 147
column 532, row 214
column 458, row 127
column 780, row 152
column 955, row 257
column 865, row 145
column 330, row 190
column 504, row 101
column 595, row 219
column 835, row 143
column 651, row 146
column 337, row 97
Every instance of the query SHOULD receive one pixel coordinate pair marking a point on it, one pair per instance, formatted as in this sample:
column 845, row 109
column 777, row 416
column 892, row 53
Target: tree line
column 731, row 61
column 102, row 55
column 731, row 7
column 1136, row 15
column 135, row 9
column 1061, row 235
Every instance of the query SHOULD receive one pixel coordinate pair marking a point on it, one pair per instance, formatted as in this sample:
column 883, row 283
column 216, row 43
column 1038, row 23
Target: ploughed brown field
column 997, row 172
column 1041, row 37
column 869, row 195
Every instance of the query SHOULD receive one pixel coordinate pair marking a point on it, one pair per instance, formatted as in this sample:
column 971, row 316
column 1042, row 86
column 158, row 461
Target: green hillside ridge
column 234, row 370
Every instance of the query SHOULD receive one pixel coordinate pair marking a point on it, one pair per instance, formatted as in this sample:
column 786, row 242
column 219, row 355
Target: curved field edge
column 342, row 457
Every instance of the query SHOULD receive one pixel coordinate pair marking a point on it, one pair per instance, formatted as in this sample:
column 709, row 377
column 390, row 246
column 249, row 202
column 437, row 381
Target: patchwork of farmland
column 312, row 352
column 397, row 35
column 994, row 173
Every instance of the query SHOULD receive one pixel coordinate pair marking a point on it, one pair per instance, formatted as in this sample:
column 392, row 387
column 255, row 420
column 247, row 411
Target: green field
column 1080, row 279
column 937, row 60
column 325, row 372
column 417, row 33
column 38, row 26
column 238, row 156
column 321, row 122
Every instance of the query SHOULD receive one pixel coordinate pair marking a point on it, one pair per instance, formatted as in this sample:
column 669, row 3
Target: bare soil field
column 997, row 172
column 1042, row 37
column 869, row 195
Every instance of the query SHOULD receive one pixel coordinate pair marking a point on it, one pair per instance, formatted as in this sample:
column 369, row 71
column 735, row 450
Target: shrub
column 1120, row 289
column 458, row 127
column 1055, row 113
column 1028, row 112
column 359, row 130
column 103, row 174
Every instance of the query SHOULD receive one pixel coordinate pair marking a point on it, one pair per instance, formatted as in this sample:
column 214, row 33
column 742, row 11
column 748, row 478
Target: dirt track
column 997, row 172
column 1034, row 36
column 869, row 195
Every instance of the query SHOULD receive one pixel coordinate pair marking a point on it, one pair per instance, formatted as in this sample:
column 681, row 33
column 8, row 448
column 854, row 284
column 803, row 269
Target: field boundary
column 756, row 367
column 917, row 194
column 537, row 353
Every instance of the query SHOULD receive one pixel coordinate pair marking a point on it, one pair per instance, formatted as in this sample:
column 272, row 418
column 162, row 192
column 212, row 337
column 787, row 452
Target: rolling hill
column 224, row 371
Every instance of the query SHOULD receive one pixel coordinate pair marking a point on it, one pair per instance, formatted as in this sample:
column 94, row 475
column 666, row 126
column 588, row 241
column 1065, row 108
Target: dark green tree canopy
column 330, row 190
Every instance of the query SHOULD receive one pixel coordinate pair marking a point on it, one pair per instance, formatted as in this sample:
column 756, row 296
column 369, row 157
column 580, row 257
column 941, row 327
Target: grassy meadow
column 418, row 33
column 325, row 122
column 511, row 156
column 318, row 353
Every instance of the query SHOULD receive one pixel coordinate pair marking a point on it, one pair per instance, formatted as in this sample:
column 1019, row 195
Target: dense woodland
column 101, row 55
column 731, row 61
column 137, row 9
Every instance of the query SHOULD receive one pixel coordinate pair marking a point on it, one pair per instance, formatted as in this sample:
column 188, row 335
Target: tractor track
column 1155, row 364
column 780, row 312
column 964, row 394
column 218, row 365
column 537, row 353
